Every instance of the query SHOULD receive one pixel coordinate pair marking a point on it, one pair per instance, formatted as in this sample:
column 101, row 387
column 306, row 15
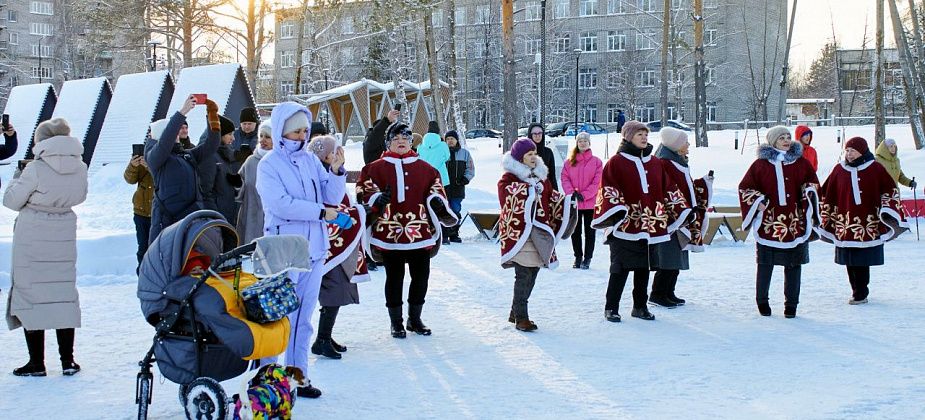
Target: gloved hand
column 234, row 180
column 383, row 198
column 464, row 181
column 577, row 196
column 212, row 116
column 913, row 184
column 342, row 220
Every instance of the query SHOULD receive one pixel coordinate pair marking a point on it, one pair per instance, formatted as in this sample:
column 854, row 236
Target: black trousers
column 142, row 230
column 791, row 284
column 418, row 261
column 664, row 282
column 524, row 280
column 584, row 224
column 618, row 281
column 859, row 277
column 35, row 342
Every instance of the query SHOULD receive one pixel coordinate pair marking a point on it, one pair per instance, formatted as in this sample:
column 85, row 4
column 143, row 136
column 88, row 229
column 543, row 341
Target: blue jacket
column 435, row 152
column 293, row 187
column 174, row 170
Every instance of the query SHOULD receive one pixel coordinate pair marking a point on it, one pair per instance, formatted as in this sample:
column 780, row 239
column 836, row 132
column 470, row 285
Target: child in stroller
column 203, row 336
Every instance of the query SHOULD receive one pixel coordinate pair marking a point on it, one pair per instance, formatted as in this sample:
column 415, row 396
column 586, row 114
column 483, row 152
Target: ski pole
column 915, row 200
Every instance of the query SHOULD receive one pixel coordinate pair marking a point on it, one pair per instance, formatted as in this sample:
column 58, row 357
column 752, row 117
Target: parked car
column 590, row 128
column 482, row 133
column 522, row 132
column 555, row 129
column 655, row 126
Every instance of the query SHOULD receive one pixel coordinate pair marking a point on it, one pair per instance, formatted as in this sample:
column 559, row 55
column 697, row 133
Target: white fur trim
column 643, row 179
column 528, row 226
column 753, row 212
column 812, row 212
column 400, row 173
column 855, row 186
column 641, row 235
column 596, row 223
column 524, row 172
column 338, row 259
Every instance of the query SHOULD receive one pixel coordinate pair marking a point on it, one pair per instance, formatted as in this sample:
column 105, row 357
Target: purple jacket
column 584, row 177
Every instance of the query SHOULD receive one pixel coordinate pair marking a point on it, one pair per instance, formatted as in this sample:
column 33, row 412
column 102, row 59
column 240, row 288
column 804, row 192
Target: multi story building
column 602, row 55
column 856, row 78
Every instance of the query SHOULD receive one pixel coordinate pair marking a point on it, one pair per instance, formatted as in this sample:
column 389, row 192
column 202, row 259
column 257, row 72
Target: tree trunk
column 666, row 40
column 300, row 47
column 457, row 121
column 879, row 119
column 187, row 34
column 544, row 48
column 700, row 90
column 917, row 40
column 785, row 69
column 510, row 96
column 914, row 96
column 435, row 85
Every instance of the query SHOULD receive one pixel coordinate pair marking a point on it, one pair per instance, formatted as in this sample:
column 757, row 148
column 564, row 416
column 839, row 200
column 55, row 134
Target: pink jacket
column 584, row 177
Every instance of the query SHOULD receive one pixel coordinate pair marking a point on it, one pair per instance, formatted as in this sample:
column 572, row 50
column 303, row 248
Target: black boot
column 790, row 311
column 764, row 309
column 338, row 347
column 511, row 318
column 322, row 345
column 308, row 391
column 577, row 263
column 612, row 315
column 643, row 313
column 586, row 264
column 398, row 330
column 66, row 351
column 661, row 299
column 35, row 342
column 414, row 320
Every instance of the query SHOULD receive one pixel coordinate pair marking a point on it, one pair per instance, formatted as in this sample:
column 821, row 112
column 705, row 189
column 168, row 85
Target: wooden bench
column 486, row 222
column 728, row 216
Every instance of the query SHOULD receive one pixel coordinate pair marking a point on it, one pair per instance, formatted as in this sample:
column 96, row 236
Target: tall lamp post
column 577, row 57
column 153, row 44
column 41, row 38
column 538, row 60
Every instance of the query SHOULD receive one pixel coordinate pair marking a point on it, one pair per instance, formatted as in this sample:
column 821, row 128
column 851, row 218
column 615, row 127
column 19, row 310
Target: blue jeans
column 456, row 206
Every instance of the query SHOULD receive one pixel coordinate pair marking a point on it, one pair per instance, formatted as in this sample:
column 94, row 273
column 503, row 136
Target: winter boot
column 322, row 345
column 525, row 325
column 577, row 263
column 612, row 315
column 308, row 391
column 674, row 298
column 643, row 313
column 764, row 309
column 854, row 301
column 66, row 351
column 35, row 342
column 414, row 320
column 69, row 368
column 338, row 347
column 510, row 318
column 398, row 330
column 661, row 299
column 585, row 264
column 790, row 311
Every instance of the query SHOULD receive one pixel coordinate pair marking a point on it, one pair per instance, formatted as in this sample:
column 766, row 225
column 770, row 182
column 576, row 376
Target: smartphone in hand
column 138, row 150
column 200, row 98
column 710, row 173
column 5, row 125
column 398, row 107
column 23, row 163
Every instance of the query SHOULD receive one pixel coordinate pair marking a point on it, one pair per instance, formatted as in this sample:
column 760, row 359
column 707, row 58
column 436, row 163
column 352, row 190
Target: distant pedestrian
column 581, row 178
column 621, row 120
column 461, row 171
column 250, row 209
column 136, row 173
column 219, row 175
column 538, row 135
column 374, row 143
column 246, row 136
column 887, row 156
column 10, row 143
column 805, row 135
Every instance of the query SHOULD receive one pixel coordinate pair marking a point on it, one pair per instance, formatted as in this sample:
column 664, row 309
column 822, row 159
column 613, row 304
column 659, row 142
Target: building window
column 646, row 78
column 286, row 30
column 286, row 88
column 856, row 79
column 615, row 7
column 560, row 114
column 708, row 75
column 560, row 82
column 614, row 79
column 41, row 72
column 645, row 5
column 347, row 26
column 11, row 15
column 14, row 38
column 588, row 113
column 482, row 14
column 589, row 41
column 532, row 45
column 532, row 10
column 36, row 28
column 645, row 113
column 45, row 50
column 562, row 9
column 461, row 15
column 41, row 8
column 616, row 41
column 645, row 40
column 588, row 8
column 711, row 111
column 287, row 59
column 437, row 18
column 563, row 43
column 612, row 113
column 709, row 38
column 587, row 78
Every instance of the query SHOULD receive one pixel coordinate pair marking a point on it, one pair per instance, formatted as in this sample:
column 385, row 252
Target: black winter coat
column 9, row 148
column 374, row 143
column 225, row 181
column 461, row 170
column 174, row 169
column 550, row 160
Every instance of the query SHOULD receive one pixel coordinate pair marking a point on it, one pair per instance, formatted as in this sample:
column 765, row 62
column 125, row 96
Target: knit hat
column 318, row 129
column 451, row 133
column 433, row 127
column 296, row 121
column 521, row 147
column 322, row 146
column 859, row 144
column 775, row 133
column 265, row 129
column 51, row 128
column 630, row 129
column 227, row 125
column 890, row 142
column 673, row 138
column 249, row 115
column 801, row 131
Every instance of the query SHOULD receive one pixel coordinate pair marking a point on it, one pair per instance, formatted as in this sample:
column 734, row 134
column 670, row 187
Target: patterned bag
column 270, row 299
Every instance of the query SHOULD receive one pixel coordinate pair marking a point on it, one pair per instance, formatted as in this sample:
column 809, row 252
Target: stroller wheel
column 204, row 399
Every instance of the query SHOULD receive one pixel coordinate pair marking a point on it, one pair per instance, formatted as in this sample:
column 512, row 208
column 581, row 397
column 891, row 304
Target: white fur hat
column 265, row 129
column 51, row 128
column 295, row 122
column 672, row 138
column 775, row 132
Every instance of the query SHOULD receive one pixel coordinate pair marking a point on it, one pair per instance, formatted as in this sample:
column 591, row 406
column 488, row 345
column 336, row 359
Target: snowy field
column 713, row 358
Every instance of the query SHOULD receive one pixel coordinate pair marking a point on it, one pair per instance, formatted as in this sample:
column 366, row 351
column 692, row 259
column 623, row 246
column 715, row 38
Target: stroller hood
column 159, row 279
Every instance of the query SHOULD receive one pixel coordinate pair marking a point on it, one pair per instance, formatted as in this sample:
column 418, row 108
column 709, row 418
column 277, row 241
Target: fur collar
column 630, row 149
column 665, row 153
column 523, row 172
column 769, row 153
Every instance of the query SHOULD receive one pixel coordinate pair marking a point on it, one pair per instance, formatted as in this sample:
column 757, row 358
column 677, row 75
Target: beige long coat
column 44, row 269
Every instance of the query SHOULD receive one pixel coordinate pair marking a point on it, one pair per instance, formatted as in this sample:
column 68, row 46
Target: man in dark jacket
column 461, row 170
column 621, row 119
column 218, row 174
column 9, row 147
column 538, row 135
column 176, row 188
column 246, row 134
column 184, row 137
column 374, row 143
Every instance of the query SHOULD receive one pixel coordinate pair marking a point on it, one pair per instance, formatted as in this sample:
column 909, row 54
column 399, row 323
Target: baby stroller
column 202, row 335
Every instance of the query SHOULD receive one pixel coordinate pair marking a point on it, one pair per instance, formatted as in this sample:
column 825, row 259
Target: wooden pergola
column 365, row 101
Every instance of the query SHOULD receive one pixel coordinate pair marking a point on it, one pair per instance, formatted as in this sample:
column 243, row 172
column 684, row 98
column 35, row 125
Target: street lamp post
column 153, row 44
column 577, row 57
column 538, row 60
column 40, row 58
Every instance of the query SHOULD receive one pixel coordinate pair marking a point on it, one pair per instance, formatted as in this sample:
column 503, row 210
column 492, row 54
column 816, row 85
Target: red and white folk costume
column 418, row 203
column 345, row 244
column 699, row 193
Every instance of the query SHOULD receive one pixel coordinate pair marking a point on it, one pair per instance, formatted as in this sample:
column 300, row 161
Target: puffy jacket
column 809, row 153
column 891, row 163
column 293, row 187
column 374, row 143
column 461, row 170
column 144, row 193
column 435, row 152
column 584, row 177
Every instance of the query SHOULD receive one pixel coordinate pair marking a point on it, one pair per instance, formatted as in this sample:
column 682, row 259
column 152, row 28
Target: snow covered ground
column 714, row 357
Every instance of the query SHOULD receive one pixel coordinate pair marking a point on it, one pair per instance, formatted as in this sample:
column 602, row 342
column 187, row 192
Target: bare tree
column 700, row 89
column 879, row 117
column 510, row 96
column 666, row 42
column 915, row 100
column 457, row 122
column 254, row 38
column 762, row 82
column 782, row 98
column 436, row 86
